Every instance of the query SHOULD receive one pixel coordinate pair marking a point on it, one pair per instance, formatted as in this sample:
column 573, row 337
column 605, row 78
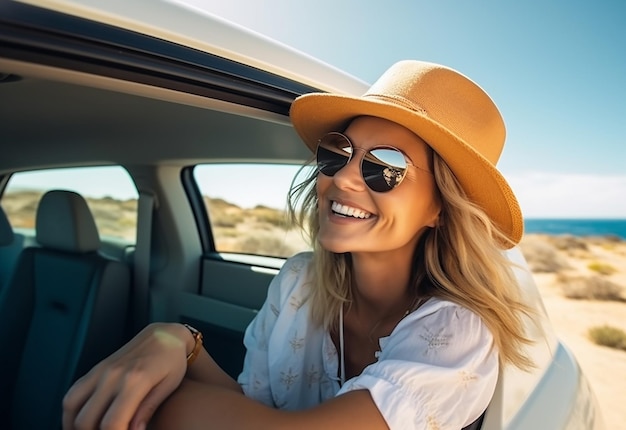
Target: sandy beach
column 568, row 266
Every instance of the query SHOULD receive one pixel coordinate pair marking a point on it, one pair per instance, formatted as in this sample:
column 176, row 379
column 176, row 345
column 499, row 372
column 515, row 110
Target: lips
column 349, row 211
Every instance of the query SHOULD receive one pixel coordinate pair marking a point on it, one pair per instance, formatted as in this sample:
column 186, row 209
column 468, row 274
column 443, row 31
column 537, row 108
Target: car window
column 109, row 192
column 246, row 205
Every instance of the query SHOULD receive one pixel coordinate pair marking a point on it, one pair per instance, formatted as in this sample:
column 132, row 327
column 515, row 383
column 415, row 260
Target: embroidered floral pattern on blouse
column 296, row 267
column 274, row 309
column 466, row 376
column 296, row 342
column 435, row 341
column 432, row 423
column 296, row 303
column 288, row 378
column 313, row 376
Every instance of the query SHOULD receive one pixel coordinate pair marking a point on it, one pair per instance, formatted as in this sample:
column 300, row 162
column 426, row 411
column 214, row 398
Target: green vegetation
column 608, row 336
column 601, row 268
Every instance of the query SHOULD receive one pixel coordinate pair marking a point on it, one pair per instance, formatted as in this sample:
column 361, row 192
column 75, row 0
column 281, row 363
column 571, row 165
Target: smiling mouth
column 348, row 211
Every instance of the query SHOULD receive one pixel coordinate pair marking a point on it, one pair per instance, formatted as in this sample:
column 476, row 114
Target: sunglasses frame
column 349, row 158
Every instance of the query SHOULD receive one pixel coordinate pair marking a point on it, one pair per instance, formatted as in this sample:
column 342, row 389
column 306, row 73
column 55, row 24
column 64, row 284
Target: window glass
column 109, row 191
column 247, row 206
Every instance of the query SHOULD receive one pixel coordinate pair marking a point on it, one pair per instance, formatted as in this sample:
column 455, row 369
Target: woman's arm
column 125, row 389
column 199, row 406
column 204, row 369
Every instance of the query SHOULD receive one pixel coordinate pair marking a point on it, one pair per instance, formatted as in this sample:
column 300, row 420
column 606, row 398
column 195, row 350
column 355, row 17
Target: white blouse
column 436, row 370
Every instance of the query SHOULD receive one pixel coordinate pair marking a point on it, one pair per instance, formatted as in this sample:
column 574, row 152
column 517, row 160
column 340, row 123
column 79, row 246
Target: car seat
column 64, row 309
column 8, row 250
column 6, row 232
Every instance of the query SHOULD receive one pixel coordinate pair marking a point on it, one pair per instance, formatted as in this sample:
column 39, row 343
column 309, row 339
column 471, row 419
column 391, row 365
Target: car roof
column 146, row 82
column 193, row 27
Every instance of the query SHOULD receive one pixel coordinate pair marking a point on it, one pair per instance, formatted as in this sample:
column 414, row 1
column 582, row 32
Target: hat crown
column 448, row 98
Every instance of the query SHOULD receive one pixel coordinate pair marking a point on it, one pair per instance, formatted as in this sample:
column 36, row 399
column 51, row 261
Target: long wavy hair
column 460, row 260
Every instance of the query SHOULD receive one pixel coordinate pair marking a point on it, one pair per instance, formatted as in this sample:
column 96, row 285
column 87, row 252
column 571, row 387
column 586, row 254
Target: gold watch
column 197, row 338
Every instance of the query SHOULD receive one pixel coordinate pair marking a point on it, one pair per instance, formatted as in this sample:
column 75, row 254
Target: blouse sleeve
column 438, row 369
column 254, row 378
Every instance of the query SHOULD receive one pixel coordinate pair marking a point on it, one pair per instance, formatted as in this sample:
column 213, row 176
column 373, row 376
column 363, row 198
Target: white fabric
column 437, row 369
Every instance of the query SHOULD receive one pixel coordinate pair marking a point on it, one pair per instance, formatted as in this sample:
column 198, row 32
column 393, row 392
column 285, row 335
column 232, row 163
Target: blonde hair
column 460, row 260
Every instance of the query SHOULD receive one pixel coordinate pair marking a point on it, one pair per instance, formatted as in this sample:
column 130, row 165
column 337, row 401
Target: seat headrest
column 65, row 222
column 6, row 232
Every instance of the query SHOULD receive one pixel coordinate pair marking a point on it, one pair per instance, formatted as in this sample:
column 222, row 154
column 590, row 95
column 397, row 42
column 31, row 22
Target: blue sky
column 556, row 69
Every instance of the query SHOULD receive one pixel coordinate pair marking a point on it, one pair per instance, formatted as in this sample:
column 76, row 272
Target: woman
column 403, row 313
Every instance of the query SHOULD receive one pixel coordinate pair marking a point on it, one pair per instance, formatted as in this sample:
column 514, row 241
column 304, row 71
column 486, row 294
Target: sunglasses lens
column 383, row 169
column 333, row 153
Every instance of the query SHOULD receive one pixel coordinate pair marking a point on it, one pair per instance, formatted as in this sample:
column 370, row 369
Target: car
column 172, row 125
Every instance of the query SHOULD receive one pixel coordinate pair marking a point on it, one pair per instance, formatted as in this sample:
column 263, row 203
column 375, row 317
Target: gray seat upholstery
column 6, row 232
column 11, row 245
column 8, row 250
column 64, row 309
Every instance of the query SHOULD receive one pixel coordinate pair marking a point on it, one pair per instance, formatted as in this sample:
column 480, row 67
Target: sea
column 577, row 227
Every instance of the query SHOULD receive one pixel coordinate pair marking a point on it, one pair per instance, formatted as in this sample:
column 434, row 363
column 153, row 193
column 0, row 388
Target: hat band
column 398, row 100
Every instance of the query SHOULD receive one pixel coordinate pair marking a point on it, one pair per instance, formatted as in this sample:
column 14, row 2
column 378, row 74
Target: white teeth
column 349, row 211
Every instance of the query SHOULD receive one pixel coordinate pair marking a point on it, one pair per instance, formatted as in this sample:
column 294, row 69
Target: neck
column 381, row 285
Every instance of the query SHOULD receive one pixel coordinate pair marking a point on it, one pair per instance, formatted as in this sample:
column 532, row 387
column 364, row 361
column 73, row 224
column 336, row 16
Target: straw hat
column 443, row 107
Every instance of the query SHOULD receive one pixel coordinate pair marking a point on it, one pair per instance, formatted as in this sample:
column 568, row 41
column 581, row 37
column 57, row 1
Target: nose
column 349, row 176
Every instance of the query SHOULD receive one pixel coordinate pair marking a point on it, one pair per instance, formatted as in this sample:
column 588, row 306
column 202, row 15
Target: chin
column 333, row 244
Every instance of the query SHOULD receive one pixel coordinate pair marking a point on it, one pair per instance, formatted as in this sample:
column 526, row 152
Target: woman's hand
column 125, row 389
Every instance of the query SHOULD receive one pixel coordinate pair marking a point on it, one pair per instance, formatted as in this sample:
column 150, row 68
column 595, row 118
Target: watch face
column 195, row 332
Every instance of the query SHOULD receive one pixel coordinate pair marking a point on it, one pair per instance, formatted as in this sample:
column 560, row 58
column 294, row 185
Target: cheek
column 322, row 184
column 418, row 200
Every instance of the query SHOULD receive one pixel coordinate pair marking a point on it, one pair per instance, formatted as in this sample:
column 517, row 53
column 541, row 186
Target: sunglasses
column 383, row 168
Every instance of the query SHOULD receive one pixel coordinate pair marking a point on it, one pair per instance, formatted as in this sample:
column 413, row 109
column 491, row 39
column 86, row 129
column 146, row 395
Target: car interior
column 62, row 282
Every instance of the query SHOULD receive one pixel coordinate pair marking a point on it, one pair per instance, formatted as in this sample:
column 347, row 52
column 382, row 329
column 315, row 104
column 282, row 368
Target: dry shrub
column 20, row 207
column 541, row 255
column 224, row 232
column 222, row 213
column 608, row 239
column 573, row 246
column 568, row 242
column 273, row 217
column 608, row 336
column 225, row 219
column 217, row 204
column 264, row 244
column 589, row 288
column 115, row 218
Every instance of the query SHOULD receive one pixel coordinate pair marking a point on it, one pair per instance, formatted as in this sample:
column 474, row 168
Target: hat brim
column 315, row 114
